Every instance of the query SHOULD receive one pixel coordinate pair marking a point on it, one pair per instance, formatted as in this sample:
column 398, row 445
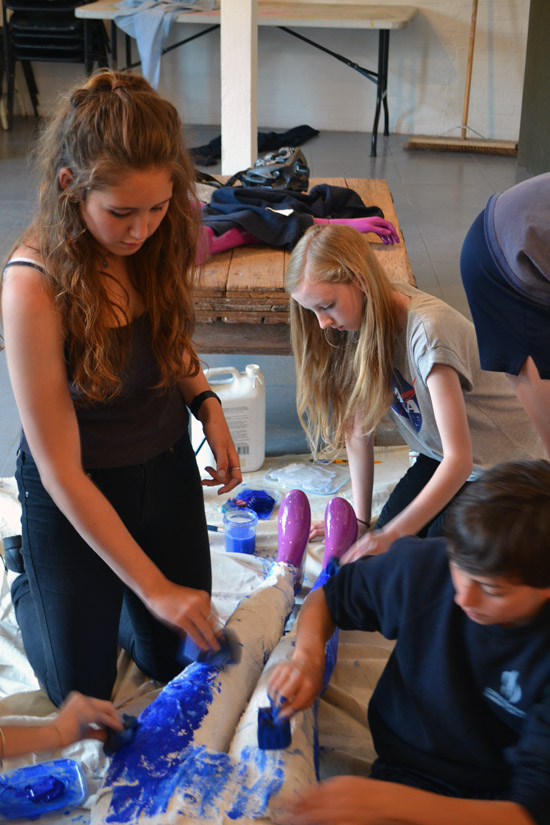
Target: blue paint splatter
column 252, row 798
column 331, row 649
column 205, row 773
column 144, row 775
column 162, row 763
column 316, row 751
column 199, row 782
column 322, row 579
column 331, row 657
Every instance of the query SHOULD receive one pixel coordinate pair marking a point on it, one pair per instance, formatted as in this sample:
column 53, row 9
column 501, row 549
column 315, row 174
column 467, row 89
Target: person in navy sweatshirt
column 460, row 718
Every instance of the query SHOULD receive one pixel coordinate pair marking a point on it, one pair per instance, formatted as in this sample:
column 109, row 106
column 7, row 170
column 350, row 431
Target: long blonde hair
column 341, row 374
column 111, row 125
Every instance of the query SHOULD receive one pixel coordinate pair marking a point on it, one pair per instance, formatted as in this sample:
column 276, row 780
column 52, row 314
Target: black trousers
column 414, row 480
column 72, row 609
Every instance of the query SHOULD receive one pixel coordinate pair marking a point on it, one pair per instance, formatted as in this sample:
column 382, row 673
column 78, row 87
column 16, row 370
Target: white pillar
column 239, row 83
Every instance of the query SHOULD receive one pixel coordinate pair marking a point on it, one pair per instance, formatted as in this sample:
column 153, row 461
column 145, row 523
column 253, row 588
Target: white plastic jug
column 243, row 400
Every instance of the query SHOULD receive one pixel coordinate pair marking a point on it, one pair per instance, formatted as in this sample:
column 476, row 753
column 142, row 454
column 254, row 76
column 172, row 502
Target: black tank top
column 140, row 422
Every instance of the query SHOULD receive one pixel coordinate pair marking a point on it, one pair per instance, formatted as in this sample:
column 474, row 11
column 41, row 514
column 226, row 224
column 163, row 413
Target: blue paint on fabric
column 198, row 784
column 202, row 778
column 144, row 775
column 331, row 657
column 206, row 775
column 254, row 792
column 316, row 746
column 266, row 561
column 331, row 648
column 322, row 579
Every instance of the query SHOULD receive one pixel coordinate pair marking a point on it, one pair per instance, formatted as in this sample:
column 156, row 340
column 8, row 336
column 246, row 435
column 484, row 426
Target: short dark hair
column 500, row 524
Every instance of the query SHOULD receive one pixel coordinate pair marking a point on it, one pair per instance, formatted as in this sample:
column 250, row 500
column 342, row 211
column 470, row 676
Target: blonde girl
column 98, row 317
column 364, row 346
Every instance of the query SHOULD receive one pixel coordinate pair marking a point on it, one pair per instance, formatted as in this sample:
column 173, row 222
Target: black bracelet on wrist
column 196, row 403
column 360, row 520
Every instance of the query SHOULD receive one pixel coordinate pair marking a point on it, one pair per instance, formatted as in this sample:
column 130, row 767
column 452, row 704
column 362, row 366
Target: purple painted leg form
column 294, row 526
column 340, row 529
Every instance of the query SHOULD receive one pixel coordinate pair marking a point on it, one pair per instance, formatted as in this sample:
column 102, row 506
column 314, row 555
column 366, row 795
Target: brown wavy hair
column 340, row 374
column 499, row 525
column 111, row 125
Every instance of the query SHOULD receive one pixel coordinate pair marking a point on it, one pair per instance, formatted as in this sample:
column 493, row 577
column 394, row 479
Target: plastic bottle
column 243, row 400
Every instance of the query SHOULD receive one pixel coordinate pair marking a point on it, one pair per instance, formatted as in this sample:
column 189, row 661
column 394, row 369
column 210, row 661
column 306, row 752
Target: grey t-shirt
column 517, row 229
column 435, row 333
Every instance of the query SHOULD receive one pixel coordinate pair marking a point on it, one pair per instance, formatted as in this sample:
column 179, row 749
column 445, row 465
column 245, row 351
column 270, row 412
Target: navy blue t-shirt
column 466, row 704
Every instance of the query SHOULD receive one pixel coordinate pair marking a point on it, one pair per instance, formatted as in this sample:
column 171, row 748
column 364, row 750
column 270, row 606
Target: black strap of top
column 25, row 262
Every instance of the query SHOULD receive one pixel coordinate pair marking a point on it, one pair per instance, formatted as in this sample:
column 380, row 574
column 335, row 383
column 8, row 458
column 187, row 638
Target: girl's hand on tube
column 371, row 543
column 187, row 611
column 78, row 712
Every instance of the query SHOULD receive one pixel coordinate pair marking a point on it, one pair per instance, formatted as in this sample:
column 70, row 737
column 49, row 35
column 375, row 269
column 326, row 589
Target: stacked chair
column 48, row 31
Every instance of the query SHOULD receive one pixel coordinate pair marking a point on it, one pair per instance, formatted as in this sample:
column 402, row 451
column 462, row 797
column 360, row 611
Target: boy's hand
column 345, row 799
column 295, row 685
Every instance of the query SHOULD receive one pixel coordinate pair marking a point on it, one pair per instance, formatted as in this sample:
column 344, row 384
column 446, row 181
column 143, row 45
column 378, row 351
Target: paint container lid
column 35, row 790
column 321, row 478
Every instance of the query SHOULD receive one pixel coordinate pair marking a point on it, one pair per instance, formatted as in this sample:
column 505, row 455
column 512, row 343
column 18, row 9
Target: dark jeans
column 509, row 325
column 72, row 609
column 414, row 480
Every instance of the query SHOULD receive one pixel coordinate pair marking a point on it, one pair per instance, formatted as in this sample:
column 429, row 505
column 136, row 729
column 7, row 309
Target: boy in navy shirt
column 460, row 718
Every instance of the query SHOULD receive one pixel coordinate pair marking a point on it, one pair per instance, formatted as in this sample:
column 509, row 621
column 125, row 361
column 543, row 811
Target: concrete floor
column 437, row 195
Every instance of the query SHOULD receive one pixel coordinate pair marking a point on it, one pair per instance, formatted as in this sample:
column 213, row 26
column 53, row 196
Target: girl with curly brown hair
column 98, row 317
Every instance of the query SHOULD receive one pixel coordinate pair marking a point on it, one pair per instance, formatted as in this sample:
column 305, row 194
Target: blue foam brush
column 116, row 739
column 273, row 733
column 229, row 652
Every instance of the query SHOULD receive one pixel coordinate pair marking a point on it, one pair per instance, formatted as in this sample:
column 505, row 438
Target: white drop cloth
column 344, row 738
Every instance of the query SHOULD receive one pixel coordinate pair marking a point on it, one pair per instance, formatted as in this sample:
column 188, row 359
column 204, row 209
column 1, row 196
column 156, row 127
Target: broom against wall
column 465, row 143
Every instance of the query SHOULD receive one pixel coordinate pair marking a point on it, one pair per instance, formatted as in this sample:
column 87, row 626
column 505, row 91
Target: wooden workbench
column 241, row 305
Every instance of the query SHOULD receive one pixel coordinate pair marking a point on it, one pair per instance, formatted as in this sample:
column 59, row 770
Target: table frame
column 107, row 11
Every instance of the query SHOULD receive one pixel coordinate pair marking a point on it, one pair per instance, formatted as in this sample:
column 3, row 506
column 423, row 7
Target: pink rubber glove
column 385, row 230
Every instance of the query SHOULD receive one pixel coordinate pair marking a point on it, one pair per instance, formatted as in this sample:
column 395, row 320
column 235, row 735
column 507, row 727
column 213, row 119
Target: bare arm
column 360, row 451
column 297, row 683
column 450, row 416
column 358, row 801
column 216, row 431
column 34, row 348
column 72, row 723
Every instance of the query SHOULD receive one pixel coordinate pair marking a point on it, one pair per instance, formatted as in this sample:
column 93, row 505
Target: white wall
column 298, row 84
